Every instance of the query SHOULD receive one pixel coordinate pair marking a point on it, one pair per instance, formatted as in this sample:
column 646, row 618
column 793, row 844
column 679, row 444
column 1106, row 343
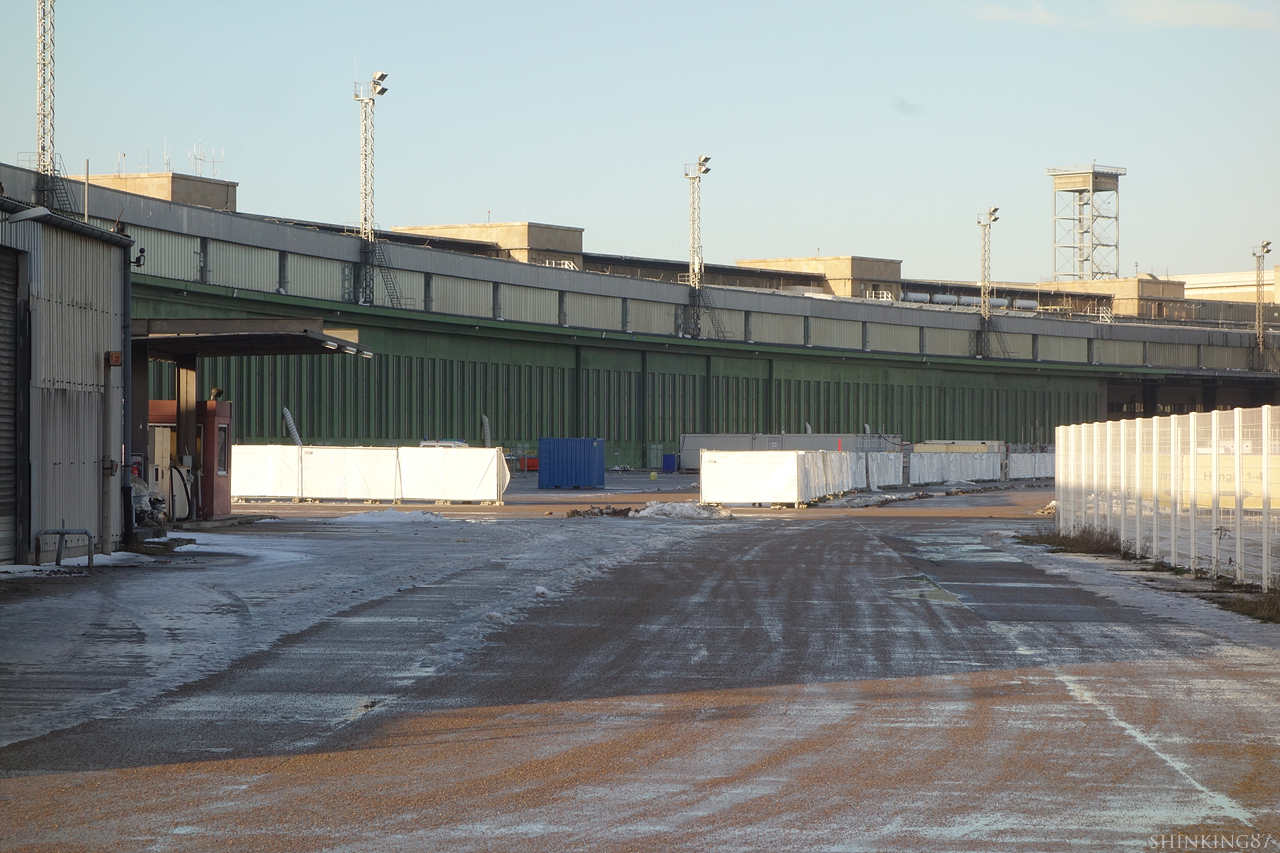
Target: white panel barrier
column 776, row 476
column 453, row 473
column 368, row 473
column 265, row 470
column 791, row 476
column 885, row 469
column 349, row 473
column 1030, row 466
column 1190, row 490
column 953, row 467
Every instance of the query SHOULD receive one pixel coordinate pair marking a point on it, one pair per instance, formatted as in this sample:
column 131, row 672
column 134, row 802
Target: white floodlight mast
column 694, row 172
column 44, row 89
column 364, row 93
column 984, row 222
column 1258, row 259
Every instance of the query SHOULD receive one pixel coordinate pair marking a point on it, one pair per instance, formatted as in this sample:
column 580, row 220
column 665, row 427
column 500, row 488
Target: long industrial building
column 590, row 345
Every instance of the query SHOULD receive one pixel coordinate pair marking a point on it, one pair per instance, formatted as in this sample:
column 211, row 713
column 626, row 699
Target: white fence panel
column 776, row 476
column 1030, row 466
column 1189, row 490
column 266, row 471
column 453, row 473
column 953, row 467
column 884, row 469
column 368, row 473
column 349, row 473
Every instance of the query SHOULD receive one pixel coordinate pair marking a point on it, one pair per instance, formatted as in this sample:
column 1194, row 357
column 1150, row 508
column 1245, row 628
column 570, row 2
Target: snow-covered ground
column 231, row 594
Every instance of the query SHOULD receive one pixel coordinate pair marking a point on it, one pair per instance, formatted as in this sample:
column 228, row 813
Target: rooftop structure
column 173, row 186
column 1086, row 222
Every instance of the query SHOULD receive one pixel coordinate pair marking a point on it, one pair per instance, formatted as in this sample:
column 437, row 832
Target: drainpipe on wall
column 126, row 409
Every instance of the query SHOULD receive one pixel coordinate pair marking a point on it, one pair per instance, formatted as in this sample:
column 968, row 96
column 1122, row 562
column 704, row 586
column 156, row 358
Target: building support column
column 186, row 437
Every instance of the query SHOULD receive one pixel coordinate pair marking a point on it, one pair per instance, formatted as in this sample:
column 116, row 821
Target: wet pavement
column 894, row 678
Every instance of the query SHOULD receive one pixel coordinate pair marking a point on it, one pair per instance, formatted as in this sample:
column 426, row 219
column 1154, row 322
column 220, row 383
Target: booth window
column 222, row 448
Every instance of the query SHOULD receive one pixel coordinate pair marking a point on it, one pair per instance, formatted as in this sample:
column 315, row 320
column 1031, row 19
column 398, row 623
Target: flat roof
column 208, row 337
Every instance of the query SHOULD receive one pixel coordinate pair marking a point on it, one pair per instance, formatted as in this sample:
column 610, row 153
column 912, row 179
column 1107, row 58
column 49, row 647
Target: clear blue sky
column 878, row 129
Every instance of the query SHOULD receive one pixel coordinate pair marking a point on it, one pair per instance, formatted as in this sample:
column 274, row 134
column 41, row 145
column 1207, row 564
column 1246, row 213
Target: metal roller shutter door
column 8, row 403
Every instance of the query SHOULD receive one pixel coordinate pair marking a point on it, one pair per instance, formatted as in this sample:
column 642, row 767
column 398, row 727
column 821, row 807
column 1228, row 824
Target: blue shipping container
column 570, row 463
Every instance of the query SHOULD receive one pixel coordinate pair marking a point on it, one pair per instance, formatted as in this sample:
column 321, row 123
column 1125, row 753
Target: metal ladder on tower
column 388, row 280
column 709, row 310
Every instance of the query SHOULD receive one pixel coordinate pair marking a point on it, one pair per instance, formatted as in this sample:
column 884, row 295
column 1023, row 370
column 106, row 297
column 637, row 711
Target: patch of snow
column 689, row 509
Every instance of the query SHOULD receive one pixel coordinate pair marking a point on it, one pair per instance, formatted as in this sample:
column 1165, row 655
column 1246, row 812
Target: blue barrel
column 670, row 463
column 570, row 463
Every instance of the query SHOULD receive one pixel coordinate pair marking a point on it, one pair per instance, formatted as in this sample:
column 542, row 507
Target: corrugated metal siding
column 169, row 255
column 75, row 311
column 8, row 403
column 409, row 284
column 882, row 337
column 593, row 312
column 320, row 278
column 1172, row 355
column 75, row 320
column 1117, row 352
column 67, row 481
column 465, row 296
column 1011, row 345
column 1053, row 348
column 657, row 318
column 570, row 462
column 731, row 322
column 530, row 304
column 777, row 328
column 243, row 267
column 948, row 342
column 1226, row 358
column 845, row 334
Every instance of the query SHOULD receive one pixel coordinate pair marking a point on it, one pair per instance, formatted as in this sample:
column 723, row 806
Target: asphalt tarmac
column 894, row 678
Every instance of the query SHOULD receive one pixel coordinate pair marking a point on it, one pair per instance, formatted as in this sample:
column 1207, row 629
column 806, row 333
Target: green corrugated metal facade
column 434, row 376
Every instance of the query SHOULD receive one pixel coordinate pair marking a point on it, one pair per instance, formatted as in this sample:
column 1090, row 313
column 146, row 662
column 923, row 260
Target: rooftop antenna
column 168, row 166
column 197, row 157
column 694, row 172
column 45, row 164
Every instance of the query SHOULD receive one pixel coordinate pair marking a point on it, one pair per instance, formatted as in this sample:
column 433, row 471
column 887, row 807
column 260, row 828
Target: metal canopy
column 168, row 340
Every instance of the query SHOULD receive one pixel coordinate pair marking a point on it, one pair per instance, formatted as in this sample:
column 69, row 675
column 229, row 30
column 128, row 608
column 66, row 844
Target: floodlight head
column 379, row 76
column 992, row 211
column 1266, row 246
column 379, row 89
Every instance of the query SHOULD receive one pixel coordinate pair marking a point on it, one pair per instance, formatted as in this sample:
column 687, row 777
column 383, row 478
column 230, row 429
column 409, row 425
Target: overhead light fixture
column 379, row 76
column 379, row 89
column 329, row 345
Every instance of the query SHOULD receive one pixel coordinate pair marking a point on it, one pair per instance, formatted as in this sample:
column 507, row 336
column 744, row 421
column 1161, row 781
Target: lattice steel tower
column 45, row 162
column 1086, row 222
column 364, row 93
column 694, row 172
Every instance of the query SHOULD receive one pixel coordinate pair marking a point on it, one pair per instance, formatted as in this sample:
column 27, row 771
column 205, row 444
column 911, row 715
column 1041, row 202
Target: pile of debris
column 606, row 511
